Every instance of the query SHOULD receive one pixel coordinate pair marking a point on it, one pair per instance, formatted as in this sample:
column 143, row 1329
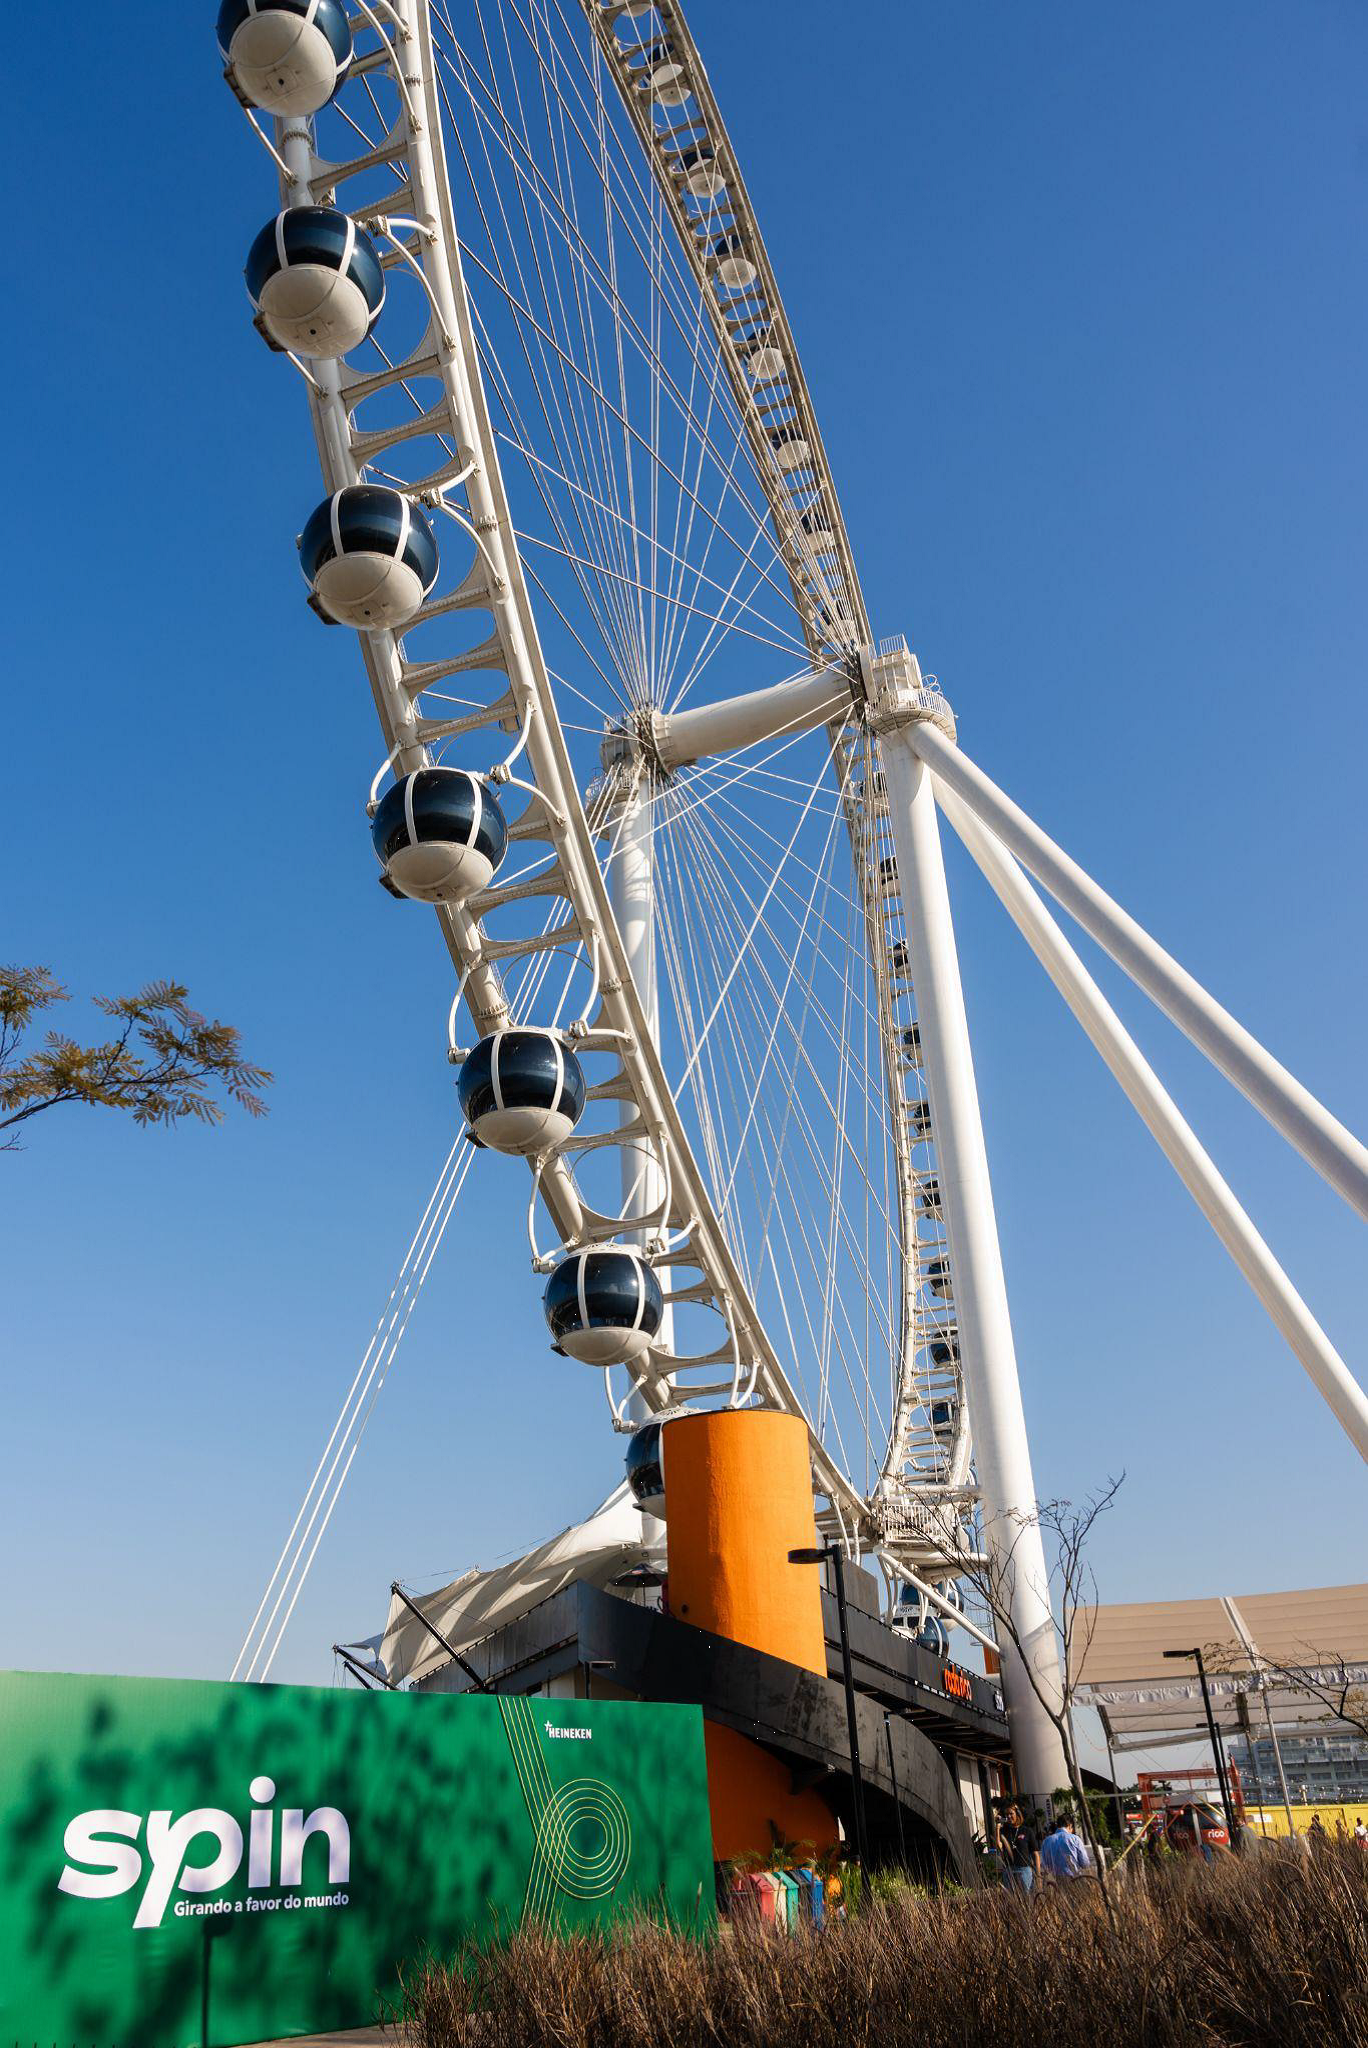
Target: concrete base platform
column 369, row 2037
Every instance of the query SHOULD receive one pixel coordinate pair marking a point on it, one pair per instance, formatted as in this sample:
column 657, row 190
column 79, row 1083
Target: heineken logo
column 110, row 1852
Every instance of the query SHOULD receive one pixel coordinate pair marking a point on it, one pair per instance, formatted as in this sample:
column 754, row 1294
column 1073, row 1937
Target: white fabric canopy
column 609, row 1543
column 1321, row 1631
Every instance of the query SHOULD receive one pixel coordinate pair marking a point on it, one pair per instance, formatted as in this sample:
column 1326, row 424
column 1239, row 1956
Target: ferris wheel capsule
column 439, row 834
column 944, row 1351
column 370, row 555
column 792, row 449
column 665, row 77
column 287, row 56
column 522, row 1091
column 646, row 1468
column 933, row 1635
column 316, row 282
column 734, row 265
column 938, row 1277
column 701, row 177
column 604, row 1307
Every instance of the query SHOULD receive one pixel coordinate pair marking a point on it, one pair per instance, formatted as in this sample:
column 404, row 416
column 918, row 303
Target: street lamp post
column 820, row 1555
column 1226, row 1806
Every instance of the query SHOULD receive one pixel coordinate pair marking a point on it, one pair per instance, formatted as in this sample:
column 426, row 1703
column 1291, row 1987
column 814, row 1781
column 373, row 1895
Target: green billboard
column 185, row 1863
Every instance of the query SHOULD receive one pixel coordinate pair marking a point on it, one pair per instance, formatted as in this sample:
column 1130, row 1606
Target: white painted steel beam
column 738, row 722
column 632, row 893
column 1175, row 1137
column 947, row 1608
column 1337, row 1155
column 988, row 1354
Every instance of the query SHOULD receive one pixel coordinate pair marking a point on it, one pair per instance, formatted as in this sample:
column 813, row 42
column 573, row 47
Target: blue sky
column 1081, row 300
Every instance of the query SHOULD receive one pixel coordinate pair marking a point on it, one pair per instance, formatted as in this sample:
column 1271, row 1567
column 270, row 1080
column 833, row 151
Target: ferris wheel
column 673, row 805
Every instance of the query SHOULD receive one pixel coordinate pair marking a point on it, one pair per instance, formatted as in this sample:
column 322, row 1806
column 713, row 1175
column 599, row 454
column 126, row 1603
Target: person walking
column 1316, row 1837
column 1361, row 1832
column 1064, row 1854
column 1018, row 1849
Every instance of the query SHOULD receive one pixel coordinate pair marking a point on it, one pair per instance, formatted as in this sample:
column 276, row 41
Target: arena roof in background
column 1252, row 1643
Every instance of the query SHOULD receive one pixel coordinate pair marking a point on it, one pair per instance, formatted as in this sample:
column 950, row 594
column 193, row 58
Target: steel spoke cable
column 529, row 454
column 785, row 909
column 403, row 1297
column 686, row 293
column 651, row 591
column 721, row 910
column 631, row 432
column 811, row 553
column 634, row 640
column 714, row 881
column 494, row 363
column 762, row 519
column 725, row 911
column 812, row 1243
column 541, row 386
column 625, row 322
column 377, row 1355
column 436, row 1196
column 376, row 1380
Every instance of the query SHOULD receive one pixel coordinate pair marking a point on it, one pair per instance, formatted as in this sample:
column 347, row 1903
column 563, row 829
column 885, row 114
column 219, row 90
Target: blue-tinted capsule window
column 474, row 1088
column 645, row 1472
column 370, row 518
column 443, row 807
column 529, row 1076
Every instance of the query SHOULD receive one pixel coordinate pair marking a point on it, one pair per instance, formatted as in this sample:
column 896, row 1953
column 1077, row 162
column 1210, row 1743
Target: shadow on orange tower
column 740, row 1498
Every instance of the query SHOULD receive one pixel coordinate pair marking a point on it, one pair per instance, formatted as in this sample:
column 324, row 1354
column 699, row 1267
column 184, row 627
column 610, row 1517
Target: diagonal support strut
column 1337, row 1155
column 1166, row 1123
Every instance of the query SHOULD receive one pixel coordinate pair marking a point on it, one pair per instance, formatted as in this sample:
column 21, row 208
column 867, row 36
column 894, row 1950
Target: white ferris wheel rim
column 887, row 1514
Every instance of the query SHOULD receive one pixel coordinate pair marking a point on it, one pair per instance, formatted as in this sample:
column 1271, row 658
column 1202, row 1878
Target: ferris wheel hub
column 897, row 692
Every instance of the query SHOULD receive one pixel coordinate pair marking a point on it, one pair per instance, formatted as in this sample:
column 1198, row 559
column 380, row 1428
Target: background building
column 1321, row 1769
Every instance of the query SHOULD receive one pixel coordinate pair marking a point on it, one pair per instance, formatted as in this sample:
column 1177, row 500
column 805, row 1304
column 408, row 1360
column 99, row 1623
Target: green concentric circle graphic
column 585, row 1839
column 581, row 1833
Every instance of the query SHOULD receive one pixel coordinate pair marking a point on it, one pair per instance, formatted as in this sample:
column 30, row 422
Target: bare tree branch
column 1068, row 1528
column 1330, row 1679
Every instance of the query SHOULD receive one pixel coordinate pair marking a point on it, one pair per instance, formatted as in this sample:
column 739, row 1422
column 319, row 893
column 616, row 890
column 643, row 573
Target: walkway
column 369, row 2037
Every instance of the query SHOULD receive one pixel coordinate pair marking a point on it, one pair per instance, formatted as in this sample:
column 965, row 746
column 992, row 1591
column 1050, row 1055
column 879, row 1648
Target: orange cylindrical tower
column 738, row 1492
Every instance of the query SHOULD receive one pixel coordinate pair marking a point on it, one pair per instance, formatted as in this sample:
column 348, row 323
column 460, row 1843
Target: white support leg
column 1174, row 1135
column 1335, row 1152
column 631, row 890
column 1002, row 1455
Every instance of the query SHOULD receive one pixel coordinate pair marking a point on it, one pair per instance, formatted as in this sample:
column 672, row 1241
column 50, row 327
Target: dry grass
column 1271, row 1952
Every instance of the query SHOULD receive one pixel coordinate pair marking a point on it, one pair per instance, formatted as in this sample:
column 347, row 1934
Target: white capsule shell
column 794, row 453
column 737, row 271
column 369, row 591
column 283, row 63
column 705, row 181
column 314, row 311
column 764, row 362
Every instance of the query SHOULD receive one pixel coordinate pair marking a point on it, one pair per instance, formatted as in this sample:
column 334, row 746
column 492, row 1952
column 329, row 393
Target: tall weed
column 1266, row 1952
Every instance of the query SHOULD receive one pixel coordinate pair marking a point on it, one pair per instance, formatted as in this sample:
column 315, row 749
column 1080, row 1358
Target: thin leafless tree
column 1066, row 1527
